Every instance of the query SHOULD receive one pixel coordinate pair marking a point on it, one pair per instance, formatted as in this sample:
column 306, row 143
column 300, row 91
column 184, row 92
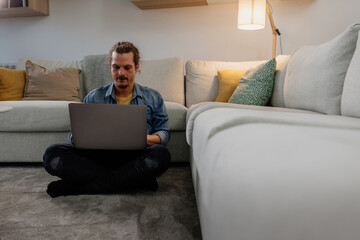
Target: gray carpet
column 27, row 212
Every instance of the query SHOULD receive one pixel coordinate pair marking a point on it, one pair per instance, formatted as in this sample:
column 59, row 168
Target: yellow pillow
column 12, row 83
column 228, row 81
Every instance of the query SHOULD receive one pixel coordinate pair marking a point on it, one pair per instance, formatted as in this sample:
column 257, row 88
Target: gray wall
column 76, row 28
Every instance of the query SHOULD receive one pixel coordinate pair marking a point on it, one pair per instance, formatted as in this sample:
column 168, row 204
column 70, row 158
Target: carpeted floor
column 27, row 212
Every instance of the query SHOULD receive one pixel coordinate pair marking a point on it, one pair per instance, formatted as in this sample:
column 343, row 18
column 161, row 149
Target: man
column 85, row 171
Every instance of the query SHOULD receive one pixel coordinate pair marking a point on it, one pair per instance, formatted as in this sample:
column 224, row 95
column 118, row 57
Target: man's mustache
column 121, row 78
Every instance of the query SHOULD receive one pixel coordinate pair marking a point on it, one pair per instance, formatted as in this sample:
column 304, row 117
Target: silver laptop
column 108, row 126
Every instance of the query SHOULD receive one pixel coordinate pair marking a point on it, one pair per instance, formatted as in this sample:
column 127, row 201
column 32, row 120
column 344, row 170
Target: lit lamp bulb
column 251, row 14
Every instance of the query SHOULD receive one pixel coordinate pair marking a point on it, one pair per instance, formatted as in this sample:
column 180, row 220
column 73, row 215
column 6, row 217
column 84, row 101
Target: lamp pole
column 275, row 31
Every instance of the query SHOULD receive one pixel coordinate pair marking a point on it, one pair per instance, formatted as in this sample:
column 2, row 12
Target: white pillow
column 315, row 74
column 350, row 102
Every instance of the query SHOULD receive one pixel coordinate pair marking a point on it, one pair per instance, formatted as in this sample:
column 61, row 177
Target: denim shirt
column 156, row 113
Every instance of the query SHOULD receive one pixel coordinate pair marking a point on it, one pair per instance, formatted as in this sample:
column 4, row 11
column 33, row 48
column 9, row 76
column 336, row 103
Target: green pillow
column 256, row 85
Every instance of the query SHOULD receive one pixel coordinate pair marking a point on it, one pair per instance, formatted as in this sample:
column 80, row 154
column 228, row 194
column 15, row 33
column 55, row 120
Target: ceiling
column 229, row 1
column 155, row 4
column 220, row 1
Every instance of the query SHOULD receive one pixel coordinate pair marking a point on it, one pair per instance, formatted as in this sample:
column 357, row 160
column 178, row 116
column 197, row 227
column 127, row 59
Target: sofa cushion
column 12, row 83
column 255, row 87
column 197, row 109
column 290, row 181
column 53, row 116
column 350, row 102
column 51, row 84
column 165, row 76
column 315, row 74
column 228, row 81
column 33, row 116
column 202, row 82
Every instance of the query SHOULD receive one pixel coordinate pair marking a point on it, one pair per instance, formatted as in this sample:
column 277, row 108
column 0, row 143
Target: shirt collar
column 111, row 91
column 137, row 91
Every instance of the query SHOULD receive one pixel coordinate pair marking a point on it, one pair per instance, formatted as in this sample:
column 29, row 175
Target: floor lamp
column 251, row 16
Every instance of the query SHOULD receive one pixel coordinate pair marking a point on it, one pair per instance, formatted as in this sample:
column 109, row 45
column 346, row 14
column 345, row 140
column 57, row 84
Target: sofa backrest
column 163, row 75
column 202, row 83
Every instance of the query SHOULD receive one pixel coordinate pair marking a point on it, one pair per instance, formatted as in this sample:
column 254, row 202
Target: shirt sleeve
column 70, row 138
column 159, row 122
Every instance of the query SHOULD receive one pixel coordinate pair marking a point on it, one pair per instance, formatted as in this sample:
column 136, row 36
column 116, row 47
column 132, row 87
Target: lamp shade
column 251, row 14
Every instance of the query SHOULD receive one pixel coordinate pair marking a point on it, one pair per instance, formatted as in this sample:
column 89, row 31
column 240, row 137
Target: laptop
column 108, row 126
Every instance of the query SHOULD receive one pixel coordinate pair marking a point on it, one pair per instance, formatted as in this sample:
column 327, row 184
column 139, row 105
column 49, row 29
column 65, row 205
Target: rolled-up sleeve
column 70, row 138
column 159, row 122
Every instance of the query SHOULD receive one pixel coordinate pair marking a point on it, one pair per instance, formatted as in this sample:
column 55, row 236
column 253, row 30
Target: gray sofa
column 288, row 171
column 30, row 126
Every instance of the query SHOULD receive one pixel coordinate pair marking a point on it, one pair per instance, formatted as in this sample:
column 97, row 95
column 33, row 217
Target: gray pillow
column 256, row 85
column 315, row 74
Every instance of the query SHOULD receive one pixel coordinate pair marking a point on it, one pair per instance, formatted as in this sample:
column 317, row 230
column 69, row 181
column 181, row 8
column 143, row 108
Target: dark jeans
column 114, row 169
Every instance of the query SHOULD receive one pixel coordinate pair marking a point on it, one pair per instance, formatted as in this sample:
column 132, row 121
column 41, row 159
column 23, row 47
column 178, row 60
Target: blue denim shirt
column 156, row 113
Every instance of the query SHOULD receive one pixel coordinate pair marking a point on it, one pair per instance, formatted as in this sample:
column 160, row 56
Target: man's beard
column 122, row 78
column 123, row 86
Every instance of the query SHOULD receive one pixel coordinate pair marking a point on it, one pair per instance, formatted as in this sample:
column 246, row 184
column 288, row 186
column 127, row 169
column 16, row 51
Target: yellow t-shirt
column 125, row 100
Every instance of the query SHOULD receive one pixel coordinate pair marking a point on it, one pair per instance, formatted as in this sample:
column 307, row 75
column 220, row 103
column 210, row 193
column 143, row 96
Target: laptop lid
column 108, row 126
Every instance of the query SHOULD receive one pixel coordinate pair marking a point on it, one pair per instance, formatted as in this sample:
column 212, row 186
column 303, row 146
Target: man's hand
column 153, row 139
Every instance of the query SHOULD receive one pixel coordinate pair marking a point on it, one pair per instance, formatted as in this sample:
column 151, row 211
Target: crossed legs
column 103, row 171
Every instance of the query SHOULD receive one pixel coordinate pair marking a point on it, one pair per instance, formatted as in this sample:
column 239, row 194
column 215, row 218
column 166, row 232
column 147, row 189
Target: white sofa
column 287, row 171
column 31, row 126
